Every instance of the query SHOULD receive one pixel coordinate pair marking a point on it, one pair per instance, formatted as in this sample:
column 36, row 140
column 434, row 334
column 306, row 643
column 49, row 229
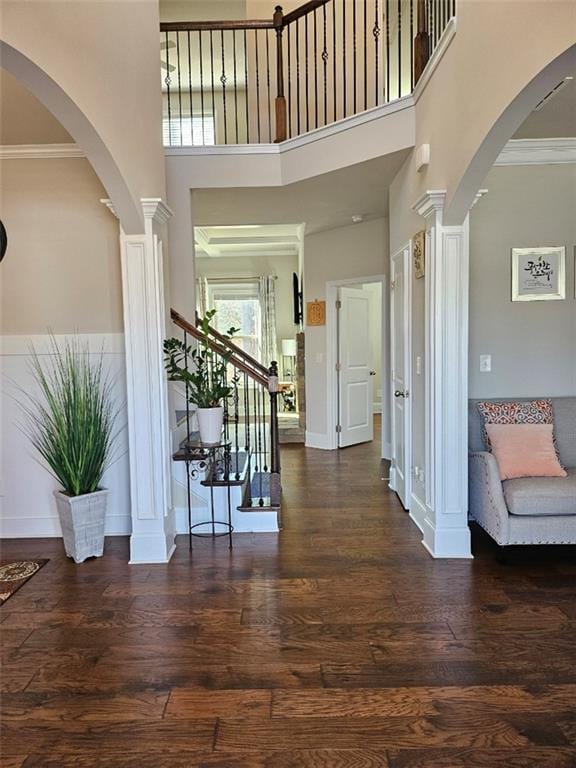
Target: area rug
column 14, row 575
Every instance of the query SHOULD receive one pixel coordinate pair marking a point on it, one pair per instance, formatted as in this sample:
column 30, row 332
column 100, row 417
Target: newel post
column 281, row 122
column 421, row 42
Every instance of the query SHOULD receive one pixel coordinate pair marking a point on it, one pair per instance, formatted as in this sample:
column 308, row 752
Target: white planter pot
column 210, row 422
column 82, row 519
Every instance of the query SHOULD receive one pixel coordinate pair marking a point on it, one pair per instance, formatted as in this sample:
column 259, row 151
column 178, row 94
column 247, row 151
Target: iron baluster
column 334, row 79
column 267, row 36
column 201, row 85
column 236, row 420
column 257, row 84
column 387, row 80
column 307, row 95
column 235, row 86
column 365, row 55
column 344, row 100
column 376, row 32
column 298, row 76
column 325, row 62
column 167, row 81
column 289, row 82
column 212, row 75
column 223, row 81
column 315, row 69
column 411, row 45
column 354, row 45
column 246, row 87
column 190, row 104
column 179, row 86
column 399, row 48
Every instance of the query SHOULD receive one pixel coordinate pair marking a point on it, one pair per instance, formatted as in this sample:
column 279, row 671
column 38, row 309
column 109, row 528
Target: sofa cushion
column 524, row 450
column 514, row 412
column 541, row 495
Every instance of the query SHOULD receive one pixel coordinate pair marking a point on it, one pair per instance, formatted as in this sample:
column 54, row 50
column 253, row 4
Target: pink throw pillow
column 524, row 450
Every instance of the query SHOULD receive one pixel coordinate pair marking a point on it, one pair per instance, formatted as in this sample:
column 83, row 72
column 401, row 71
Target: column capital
column 156, row 209
column 153, row 208
column 432, row 201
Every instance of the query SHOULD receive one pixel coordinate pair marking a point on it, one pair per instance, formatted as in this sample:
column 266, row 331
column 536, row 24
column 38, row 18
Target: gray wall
column 533, row 344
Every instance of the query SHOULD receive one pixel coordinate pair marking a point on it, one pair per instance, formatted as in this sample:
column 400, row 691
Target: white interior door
column 401, row 351
column 355, row 395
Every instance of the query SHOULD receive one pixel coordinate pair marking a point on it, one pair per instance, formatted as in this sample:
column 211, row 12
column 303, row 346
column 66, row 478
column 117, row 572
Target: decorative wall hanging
column 539, row 274
column 3, row 241
column 316, row 313
column 418, row 250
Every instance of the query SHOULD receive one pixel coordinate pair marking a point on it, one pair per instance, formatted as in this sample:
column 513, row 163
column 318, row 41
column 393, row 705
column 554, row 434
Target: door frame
column 408, row 357
column 332, row 357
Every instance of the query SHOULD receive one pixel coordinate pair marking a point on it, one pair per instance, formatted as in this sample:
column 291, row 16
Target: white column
column 145, row 322
column 445, row 526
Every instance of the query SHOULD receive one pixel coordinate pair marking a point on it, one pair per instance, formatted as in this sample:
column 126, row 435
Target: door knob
column 399, row 393
column 372, row 373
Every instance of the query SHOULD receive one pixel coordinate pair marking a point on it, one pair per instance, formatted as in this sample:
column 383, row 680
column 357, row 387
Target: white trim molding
column 443, row 44
column 39, row 151
column 145, row 314
column 538, row 152
column 445, row 524
column 326, row 131
column 318, row 440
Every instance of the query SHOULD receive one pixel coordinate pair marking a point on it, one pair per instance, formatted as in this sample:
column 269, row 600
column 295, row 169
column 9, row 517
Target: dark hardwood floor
column 338, row 644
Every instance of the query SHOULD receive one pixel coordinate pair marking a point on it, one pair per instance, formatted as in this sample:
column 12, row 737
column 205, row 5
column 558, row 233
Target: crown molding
column 538, row 152
column 431, row 201
column 39, row 151
column 152, row 207
column 155, row 208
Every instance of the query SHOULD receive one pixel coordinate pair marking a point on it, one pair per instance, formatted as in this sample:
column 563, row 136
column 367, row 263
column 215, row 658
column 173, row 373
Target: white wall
column 253, row 266
column 533, row 344
column 355, row 251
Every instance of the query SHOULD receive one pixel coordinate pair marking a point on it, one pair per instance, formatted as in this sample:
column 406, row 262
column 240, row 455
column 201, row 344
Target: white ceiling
column 253, row 240
column 323, row 202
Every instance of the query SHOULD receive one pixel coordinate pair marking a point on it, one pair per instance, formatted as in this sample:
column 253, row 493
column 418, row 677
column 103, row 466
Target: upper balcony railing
column 254, row 81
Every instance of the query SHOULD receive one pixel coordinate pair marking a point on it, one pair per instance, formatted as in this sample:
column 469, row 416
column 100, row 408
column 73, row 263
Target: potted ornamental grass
column 204, row 372
column 71, row 423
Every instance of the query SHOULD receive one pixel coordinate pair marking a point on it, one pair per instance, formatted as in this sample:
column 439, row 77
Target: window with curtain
column 238, row 305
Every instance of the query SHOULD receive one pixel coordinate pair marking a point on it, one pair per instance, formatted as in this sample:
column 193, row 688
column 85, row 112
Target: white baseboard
column 318, row 440
column 447, row 542
column 418, row 511
column 377, row 407
column 49, row 527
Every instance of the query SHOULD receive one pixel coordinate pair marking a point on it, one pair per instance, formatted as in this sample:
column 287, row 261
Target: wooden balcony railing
column 253, row 81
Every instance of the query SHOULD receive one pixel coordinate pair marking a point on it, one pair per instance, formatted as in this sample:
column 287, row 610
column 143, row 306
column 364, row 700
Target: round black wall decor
column 3, row 241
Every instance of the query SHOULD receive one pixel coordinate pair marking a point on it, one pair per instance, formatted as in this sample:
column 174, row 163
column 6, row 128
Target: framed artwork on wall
column 418, row 248
column 539, row 274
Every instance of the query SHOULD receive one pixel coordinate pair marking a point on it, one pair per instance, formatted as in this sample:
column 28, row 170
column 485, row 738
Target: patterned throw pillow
column 529, row 412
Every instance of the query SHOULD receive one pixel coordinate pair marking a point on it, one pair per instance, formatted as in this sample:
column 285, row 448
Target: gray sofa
column 528, row 510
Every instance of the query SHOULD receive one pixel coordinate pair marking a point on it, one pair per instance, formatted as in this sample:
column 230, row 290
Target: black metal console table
column 215, row 460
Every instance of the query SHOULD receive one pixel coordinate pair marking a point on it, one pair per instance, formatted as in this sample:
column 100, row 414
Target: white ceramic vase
column 210, row 422
column 82, row 519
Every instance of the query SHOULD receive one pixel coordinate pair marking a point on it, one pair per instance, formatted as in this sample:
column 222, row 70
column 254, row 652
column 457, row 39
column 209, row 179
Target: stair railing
column 250, row 415
column 263, row 81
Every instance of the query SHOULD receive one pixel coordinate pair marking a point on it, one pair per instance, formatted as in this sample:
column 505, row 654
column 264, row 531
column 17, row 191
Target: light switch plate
column 418, row 366
column 485, row 363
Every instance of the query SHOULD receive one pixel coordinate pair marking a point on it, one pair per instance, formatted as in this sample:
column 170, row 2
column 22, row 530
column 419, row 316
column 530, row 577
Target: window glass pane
column 242, row 313
column 188, row 131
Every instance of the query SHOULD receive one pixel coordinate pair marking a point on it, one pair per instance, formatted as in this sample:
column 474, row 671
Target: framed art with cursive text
column 539, row 274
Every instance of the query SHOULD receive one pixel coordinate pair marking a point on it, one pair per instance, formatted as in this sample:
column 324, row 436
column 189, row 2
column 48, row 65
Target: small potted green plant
column 71, row 423
column 205, row 377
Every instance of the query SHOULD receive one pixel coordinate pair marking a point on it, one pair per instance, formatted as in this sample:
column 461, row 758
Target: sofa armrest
column 487, row 504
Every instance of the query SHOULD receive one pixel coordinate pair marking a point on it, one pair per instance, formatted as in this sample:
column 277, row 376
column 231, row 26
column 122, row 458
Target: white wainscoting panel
column 27, row 507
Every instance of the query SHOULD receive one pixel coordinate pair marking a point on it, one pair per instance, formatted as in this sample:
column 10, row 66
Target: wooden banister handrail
column 308, row 7
column 182, row 323
column 199, row 26
column 238, row 351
